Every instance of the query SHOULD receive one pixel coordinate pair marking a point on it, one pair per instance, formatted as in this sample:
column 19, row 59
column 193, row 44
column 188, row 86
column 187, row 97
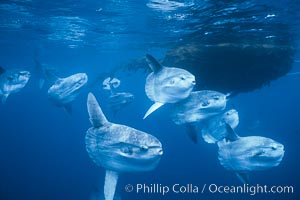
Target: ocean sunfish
column 245, row 154
column 167, row 84
column 214, row 129
column 64, row 90
column 196, row 109
column 119, row 100
column 118, row 148
column 12, row 81
column 199, row 106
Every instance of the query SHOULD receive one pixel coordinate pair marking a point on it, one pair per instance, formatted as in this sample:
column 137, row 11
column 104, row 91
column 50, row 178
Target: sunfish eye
column 182, row 78
column 216, row 98
column 273, row 147
column 144, row 148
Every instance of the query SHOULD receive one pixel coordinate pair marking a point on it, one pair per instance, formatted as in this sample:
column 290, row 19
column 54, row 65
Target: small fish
column 245, row 154
column 12, row 81
column 167, row 84
column 64, row 90
column 119, row 100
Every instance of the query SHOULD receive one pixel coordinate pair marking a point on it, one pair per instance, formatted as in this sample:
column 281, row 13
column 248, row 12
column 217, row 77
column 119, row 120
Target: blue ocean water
column 42, row 148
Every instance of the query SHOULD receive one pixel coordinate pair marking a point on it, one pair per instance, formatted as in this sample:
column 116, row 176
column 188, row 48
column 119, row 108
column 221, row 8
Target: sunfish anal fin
column 231, row 135
column 154, row 107
column 4, row 97
column 192, row 133
column 110, row 183
column 97, row 118
column 2, row 70
column 244, row 177
column 153, row 63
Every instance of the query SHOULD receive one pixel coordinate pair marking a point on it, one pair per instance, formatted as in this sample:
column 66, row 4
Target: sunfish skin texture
column 13, row 82
column 120, row 148
column 167, row 84
column 250, row 153
column 199, row 106
column 65, row 90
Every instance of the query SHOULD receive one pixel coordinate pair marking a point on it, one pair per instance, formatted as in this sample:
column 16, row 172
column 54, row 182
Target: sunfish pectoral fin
column 41, row 83
column 244, row 177
column 2, row 70
column 110, row 183
column 153, row 63
column 231, row 135
column 154, row 107
column 51, row 76
column 192, row 133
column 4, row 97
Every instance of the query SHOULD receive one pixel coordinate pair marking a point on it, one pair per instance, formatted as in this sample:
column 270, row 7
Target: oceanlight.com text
column 156, row 188
column 250, row 189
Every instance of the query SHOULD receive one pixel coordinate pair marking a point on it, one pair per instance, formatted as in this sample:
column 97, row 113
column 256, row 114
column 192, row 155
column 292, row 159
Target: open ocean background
column 42, row 148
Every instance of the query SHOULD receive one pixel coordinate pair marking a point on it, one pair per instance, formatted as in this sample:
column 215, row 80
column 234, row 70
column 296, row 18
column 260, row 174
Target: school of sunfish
column 119, row 148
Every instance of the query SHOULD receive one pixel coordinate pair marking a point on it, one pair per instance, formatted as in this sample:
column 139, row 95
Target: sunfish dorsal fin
column 51, row 76
column 153, row 63
column 244, row 177
column 231, row 136
column 110, row 183
column 192, row 133
column 97, row 118
column 154, row 107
